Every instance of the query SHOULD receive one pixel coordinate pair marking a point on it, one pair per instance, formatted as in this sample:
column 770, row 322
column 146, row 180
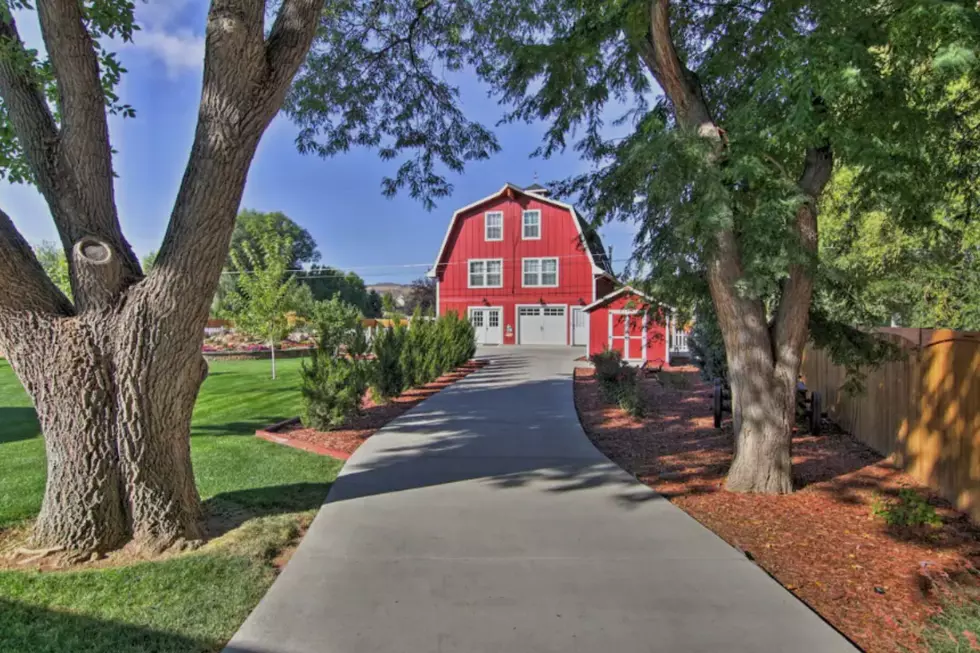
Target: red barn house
column 525, row 269
column 522, row 267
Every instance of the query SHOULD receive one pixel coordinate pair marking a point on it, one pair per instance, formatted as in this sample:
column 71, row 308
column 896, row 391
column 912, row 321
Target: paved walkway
column 484, row 521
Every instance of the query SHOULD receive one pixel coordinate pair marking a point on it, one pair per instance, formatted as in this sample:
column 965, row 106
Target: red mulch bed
column 877, row 584
column 343, row 441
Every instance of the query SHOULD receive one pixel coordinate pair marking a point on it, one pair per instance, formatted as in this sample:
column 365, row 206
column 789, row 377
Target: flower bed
column 878, row 584
column 256, row 354
column 343, row 441
column 233, row 346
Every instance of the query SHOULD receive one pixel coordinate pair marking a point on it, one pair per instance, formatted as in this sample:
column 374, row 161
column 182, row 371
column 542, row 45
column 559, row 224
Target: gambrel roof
column 590, row 238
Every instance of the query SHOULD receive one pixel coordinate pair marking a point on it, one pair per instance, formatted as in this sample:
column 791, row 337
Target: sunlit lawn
column 189, row 603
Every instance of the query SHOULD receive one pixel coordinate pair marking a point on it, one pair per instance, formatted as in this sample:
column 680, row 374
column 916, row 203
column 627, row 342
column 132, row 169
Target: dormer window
column 493, row 225
column 532, row 225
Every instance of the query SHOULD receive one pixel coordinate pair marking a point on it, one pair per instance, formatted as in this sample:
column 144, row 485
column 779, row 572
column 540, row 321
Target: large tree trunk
column 763, row 355
column 114, row 394
column 764, row 408
column 114, row 377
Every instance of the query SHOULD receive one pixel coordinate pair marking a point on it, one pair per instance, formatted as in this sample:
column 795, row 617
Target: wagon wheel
column 717, row 404
column 816, row 412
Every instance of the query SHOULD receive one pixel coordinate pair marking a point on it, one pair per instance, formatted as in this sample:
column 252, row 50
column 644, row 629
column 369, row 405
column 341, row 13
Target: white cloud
column 180, row 51
column 172, row 32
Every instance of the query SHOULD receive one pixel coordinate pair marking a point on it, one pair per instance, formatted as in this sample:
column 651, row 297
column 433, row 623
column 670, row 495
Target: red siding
column 559, row 238
column 656, row 339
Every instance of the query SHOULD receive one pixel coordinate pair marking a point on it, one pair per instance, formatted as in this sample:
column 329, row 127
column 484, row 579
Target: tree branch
column 24, row 286
column 792, row 315
column 72, row 167
column 679, row 84
column 81, row 103
column 21, row 91
column 245, row 82
column 289, row 42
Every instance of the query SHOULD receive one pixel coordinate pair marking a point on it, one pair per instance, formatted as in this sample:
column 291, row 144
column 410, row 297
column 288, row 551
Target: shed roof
column 613, row 295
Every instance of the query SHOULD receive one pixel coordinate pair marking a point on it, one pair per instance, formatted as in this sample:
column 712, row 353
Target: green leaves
column 264, row 287
column 378, row 76
column 52, row 258
column 104, row 20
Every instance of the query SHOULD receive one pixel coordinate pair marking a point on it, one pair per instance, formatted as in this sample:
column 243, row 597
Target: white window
column 486, row 273
column 532, row 225
column 493, row 225
column 540, row 272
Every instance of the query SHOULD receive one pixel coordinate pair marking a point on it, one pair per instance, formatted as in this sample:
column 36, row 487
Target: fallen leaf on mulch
column 877, row 584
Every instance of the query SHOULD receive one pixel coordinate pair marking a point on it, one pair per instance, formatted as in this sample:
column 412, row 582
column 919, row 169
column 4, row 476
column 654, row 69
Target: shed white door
column 580, row 326
column 542, row 325
column 486, row 324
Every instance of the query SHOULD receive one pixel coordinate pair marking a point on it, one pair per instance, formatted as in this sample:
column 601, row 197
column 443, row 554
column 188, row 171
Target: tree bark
column 114, row 377
column 763, row 360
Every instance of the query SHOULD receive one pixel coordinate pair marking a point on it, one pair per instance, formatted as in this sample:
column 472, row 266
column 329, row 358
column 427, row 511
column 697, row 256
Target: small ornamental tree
column 264, row 290
column 388, row 380
column 335, row 378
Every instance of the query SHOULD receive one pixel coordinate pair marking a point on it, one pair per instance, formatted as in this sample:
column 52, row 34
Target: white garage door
column 542, row 325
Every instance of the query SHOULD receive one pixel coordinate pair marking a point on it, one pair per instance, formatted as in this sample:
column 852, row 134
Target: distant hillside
column 399, row 291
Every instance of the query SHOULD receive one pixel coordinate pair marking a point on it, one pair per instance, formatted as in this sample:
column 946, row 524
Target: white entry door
column 486, row 323
column 542, row 325
column 580, row 326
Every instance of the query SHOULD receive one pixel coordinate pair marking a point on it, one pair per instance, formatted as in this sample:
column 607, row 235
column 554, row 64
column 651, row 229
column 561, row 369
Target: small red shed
column 621, row 321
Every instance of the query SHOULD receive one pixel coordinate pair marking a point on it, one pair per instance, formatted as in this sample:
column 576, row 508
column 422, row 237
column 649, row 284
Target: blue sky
column 338, row 200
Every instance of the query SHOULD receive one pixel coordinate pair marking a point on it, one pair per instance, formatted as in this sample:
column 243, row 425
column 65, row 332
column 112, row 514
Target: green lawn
column 193, row 602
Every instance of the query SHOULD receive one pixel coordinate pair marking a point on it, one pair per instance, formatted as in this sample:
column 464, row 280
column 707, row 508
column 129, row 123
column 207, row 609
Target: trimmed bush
column 460, row 340
column 627, row 392
column 415, row 353
column 433, row 347
column 608, row 364
column 335, row 378
column 618, row 382
column 388, row 381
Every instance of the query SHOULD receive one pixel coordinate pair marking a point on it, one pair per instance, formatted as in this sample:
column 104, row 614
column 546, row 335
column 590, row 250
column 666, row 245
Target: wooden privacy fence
column 923, row 410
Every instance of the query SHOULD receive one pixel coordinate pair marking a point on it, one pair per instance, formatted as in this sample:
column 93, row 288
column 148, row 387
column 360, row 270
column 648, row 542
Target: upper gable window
column 532, row 225
column 493, row 225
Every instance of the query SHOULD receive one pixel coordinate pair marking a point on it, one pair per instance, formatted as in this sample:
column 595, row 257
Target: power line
column 304, row 273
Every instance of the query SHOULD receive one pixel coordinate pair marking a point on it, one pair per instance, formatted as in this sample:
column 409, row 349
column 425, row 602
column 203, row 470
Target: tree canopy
column 251, row 224
column 725, row 171
column 780, row 77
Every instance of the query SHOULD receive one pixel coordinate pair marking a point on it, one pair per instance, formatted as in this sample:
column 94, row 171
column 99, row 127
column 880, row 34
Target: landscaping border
column 363, row 426
column 272, row 433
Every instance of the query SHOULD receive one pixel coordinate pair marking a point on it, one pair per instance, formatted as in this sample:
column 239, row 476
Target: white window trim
column 484, row 260
column 524, row 236
column 486, row 226
column 541, row 259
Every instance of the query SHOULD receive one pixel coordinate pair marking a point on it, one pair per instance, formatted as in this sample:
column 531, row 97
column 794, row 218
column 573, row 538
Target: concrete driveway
column 484, row 521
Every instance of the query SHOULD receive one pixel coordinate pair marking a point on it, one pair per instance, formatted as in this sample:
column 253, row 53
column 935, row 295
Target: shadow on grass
column 229, row 510
column 19, row 423
column 33, row 629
